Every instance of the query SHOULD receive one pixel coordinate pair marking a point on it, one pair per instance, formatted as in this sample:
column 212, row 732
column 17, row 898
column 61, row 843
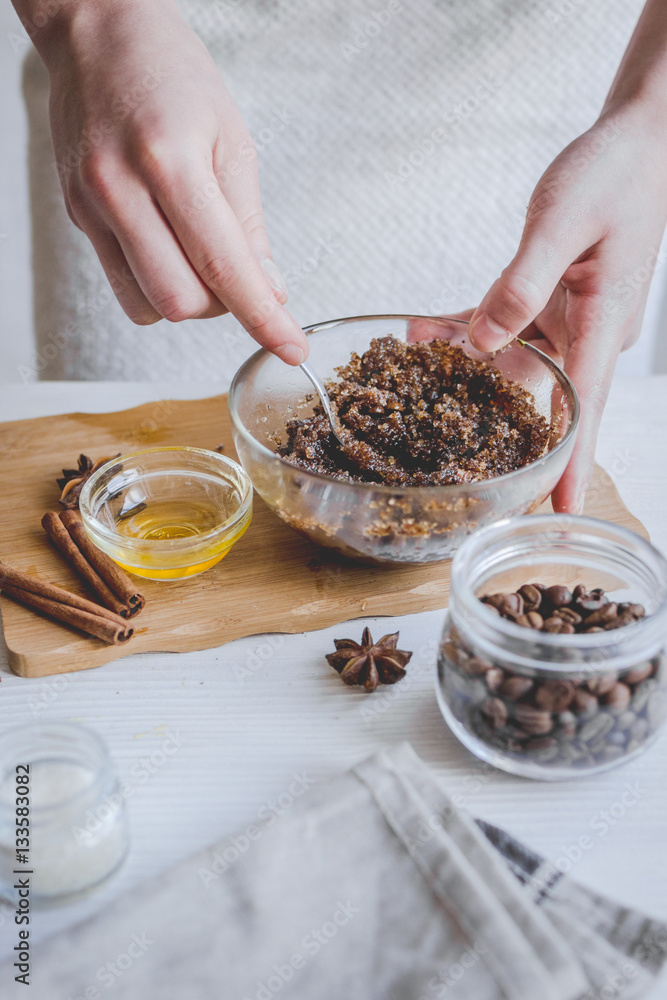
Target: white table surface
column 256, row 711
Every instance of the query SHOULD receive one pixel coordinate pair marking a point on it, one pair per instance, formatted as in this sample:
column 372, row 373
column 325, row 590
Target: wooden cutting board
column 272, row 580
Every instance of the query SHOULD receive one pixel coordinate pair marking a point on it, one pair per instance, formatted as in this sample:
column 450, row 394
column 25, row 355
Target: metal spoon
column 326, row 403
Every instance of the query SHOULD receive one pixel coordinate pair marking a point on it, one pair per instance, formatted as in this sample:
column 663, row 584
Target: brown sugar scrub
column 423, row 414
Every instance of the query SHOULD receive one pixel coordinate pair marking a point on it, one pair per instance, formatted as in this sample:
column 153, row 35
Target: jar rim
column 22, row 738
column 483, row 551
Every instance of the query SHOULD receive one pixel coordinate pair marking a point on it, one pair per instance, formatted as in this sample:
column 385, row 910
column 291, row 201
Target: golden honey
column 164, row 520
column 171, row 513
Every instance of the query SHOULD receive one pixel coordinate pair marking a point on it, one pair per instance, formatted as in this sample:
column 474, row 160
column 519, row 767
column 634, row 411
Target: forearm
column 641, row 79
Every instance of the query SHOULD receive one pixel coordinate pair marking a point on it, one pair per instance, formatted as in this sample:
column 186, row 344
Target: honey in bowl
column 167, row 513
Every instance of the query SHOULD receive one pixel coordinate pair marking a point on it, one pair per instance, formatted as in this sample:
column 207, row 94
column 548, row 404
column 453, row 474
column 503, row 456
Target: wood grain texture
column 265, row 584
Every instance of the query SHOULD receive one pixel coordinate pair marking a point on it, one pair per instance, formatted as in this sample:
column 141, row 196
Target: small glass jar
column 550, row 705
column 63, row 823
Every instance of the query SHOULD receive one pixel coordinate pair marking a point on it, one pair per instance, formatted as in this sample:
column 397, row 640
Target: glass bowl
column 552, row 705
column 167, row 513
column 387, row 524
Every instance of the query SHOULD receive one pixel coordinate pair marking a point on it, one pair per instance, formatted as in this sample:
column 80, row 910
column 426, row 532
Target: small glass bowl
column 387, row 524
column 167, row 513
column 495, row 683
column 63, row 820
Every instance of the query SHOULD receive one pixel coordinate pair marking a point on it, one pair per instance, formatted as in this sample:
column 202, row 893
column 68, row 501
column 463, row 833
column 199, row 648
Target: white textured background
column 16, row 338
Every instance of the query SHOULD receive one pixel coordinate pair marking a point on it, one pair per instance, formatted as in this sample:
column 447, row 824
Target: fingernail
column 487, row 335
column 276, row 279
column 291, row 354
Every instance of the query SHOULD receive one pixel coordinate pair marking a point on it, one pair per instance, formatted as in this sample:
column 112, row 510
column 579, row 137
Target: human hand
column 578, row 284
column 160, row 172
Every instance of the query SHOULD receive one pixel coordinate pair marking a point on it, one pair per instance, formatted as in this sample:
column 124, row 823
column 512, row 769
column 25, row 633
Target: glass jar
column 551, row 705
column 63, row 821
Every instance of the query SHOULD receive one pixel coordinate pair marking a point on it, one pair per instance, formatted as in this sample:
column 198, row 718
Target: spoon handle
column 324, row 399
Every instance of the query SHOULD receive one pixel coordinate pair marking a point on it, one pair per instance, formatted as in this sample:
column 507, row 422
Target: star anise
column 367, row 663
column 73, row 480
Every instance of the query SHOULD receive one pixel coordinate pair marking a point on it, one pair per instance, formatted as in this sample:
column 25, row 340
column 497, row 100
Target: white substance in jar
column 77, row 823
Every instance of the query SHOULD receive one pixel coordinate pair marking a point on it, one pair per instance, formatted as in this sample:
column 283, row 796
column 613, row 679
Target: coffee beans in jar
column 581, row 720
column 551, row 679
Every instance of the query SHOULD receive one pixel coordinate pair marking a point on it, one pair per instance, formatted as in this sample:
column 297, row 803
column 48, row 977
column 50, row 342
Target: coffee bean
column 567, row 724
column 639, row 731
column 603, row 615
column 530, row 620
column 596, row 728
column 477, row 665
column 620, row 621
column 610, row 753
column 495, row 712
column 638, row 673
column 636, row 610
column 557, row 625
column 578, row 592
column 532, row 720
column 596, row 628
column 567, row 615
column 570, row 753
column 494, row 678
column 557, row 596
column 625, row 720
column 584, row 703
column 515, row 687
column 532, row 597
column 642, row 695
column 545, row 748
column 597, row 745
column 602, row 684
column 554, row 696
column 506, row 604
column 585, row 761
column 592, row 601
column 618, row 699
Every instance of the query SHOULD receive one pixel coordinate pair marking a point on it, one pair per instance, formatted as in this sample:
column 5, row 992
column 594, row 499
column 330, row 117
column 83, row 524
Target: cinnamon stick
column 61, row 538
column 22, row 581
column 113, row 576
column 108, row 631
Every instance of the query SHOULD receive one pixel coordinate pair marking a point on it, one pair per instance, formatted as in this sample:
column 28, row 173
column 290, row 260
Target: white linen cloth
column 372, row 886
column 398, row 144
